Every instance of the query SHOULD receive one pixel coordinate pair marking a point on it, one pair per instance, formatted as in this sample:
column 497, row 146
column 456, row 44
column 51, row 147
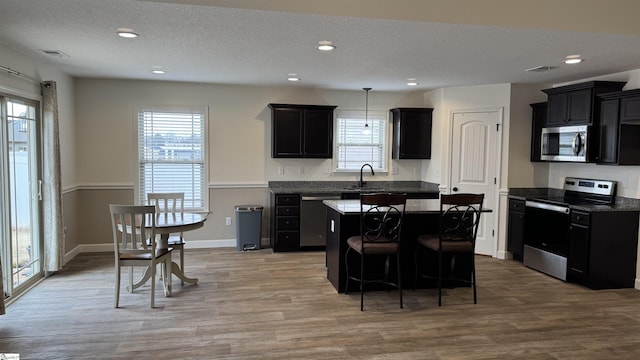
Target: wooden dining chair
column 458, row 226
column 171, row 203
column 132, row 226
column 381, row 218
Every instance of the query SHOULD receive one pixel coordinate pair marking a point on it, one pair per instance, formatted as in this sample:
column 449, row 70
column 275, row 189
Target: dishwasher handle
column 320, row 197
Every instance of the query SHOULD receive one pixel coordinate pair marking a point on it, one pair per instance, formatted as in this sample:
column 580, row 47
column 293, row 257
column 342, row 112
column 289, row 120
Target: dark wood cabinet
column 603, row 249
column 609, row 128
column 301, row 131
column 285, row 223
column 411, row 133
column 575, row 104
column 538, row 121
column 619, row 128
column 630, row 107
column 515, row 228
column 573, row 107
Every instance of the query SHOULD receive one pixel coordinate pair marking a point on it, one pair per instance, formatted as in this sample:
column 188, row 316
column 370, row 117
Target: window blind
column 171, row 155
column 356, row 147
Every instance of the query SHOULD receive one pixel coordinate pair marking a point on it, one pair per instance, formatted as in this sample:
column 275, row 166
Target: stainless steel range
column 547, row 218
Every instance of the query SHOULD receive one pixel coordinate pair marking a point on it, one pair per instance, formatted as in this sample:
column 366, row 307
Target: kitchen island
column 297, row 214
column 421, row 217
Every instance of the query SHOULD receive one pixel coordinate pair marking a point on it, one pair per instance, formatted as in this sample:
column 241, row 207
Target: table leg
column 175, row 269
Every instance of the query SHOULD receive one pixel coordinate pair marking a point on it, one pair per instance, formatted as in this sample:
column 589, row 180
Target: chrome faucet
column 362, row 183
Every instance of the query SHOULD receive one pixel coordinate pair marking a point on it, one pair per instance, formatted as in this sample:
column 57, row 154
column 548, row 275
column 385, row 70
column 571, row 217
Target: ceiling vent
column 541, row 68
column 56, row 53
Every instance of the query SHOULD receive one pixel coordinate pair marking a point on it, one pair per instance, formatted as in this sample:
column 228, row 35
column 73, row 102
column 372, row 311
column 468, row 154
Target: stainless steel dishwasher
column 313, row 219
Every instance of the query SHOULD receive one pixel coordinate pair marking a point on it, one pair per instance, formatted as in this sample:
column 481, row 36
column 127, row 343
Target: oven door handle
column 545, row 206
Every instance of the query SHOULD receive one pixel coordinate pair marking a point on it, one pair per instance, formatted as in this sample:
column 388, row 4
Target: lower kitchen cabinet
column 515, row 232
column 285, row 224
column 603, row 249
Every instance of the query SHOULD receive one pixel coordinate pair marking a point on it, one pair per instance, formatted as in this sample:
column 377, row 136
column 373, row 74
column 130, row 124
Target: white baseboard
column 504, row 255
column 191, row 244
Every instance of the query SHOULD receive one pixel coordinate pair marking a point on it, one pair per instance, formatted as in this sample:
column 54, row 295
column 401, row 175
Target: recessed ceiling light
column 326, row 45
column 412, row 82
column 127, row 33
column 158, row 71
column 573, row 59
column 293, row 77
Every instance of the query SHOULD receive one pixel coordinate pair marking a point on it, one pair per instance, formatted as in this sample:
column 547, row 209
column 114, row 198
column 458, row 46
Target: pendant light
column 366, row 130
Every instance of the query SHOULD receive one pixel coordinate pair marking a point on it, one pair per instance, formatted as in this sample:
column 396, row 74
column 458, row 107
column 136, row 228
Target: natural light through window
column 356, row 144
column 171, row 154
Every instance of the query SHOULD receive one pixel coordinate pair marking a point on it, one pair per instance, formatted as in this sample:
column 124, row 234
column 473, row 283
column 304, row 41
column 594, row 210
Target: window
column 171, row 154
column 355, row 146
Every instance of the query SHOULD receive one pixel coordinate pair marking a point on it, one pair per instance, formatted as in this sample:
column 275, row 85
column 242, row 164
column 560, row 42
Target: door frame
column 448, row 163
column 12, row 290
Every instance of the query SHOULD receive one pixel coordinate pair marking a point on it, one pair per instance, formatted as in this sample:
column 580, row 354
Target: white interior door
column 474, row 157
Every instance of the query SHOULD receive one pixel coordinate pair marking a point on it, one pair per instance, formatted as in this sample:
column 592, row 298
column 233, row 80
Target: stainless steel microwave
column 565, row 143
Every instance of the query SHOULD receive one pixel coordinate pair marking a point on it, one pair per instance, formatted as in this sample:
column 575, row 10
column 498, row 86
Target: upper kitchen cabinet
column 411, row 133
column 538, row 120
column 619, row 128
column 301, row 131
column 574, row 104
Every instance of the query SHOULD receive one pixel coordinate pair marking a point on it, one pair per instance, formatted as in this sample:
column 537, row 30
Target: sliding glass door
column 20, row 196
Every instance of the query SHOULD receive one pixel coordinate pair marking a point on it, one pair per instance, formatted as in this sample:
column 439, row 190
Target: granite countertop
column 339, row 187
column 414, row 206
column 621, row 203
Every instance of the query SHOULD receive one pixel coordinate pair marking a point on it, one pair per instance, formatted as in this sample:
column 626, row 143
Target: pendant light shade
column 366, row 130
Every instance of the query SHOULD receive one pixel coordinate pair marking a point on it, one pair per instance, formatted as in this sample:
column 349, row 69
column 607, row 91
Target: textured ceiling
column 215, row 42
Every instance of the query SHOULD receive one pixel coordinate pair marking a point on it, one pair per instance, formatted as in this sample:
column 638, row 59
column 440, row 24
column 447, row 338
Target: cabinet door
column 515, row 234
column 630, row 110
column 608, row 153
column 570, row 108
column 287, row 133
column 539, row 119
column 579, row 106
column 578, row 259
column 412, row 133
column 318, row 133
column 557, row 110
column 515, row 228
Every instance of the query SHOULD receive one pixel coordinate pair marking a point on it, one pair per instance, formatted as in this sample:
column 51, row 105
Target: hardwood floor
column 264, row 305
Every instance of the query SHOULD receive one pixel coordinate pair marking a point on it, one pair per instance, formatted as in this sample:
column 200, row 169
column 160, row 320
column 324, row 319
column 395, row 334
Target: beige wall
column 240, row 163
column 521, row 171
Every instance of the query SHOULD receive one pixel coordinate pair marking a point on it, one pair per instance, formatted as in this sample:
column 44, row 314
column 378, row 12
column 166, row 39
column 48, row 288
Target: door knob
column 454, row 189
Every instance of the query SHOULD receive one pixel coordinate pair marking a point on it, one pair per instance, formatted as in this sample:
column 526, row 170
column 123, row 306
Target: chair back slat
column 131, row 226
column 170, row 202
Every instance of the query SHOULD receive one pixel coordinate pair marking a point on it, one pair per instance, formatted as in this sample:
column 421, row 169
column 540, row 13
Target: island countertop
column 414, row 206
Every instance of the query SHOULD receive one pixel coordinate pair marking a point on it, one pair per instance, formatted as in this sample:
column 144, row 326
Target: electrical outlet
column 228, row 221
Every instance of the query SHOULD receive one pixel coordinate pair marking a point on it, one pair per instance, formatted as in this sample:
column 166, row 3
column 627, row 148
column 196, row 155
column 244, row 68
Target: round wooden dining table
column 166, row 224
